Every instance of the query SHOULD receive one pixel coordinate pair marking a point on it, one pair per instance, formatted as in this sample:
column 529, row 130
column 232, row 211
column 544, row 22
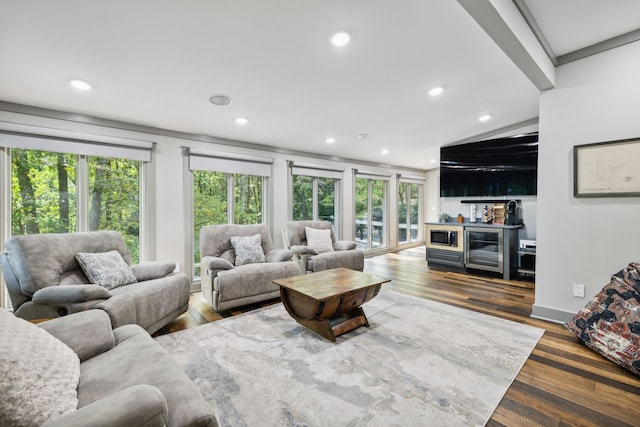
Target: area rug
column 418, row 363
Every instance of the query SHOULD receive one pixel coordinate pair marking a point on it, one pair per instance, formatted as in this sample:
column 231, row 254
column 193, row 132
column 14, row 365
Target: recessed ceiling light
column 220, row 100
column 432, row 161
column 330, row 140
column 80, row 84
column 241, row 121
column 484, row 118
column 340, row 39
column 436, row 91
column 362, row 136
column 384, row 152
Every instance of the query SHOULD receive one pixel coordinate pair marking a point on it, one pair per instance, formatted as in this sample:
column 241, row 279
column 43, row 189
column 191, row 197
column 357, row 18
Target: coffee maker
column 513, row 214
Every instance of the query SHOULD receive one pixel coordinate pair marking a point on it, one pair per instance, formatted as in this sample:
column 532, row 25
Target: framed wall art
column 607, row 169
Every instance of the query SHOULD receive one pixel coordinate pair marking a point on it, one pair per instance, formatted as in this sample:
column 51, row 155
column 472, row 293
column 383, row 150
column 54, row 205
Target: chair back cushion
column 297, row 234
column 215, row 240
column 41, row 260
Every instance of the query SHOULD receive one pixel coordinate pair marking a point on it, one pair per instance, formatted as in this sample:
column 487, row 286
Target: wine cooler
column 484, row 248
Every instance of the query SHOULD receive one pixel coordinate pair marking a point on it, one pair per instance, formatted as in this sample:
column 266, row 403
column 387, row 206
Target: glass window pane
column 326, row 199
column 362, row 213
column 377, row 214
column 302, row 198
column 247, row 205
column 114, row 199
column 43, row 192
column 415, row 211
column 402, row 212
column 209, row 206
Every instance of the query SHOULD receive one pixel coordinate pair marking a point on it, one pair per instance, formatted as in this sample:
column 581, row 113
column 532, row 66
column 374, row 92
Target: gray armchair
column 340, row 253
column 225, row 284
column 45, row 280
column 126, row 378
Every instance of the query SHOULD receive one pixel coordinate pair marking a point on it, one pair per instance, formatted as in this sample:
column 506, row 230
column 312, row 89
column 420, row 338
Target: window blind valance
column 412, row 179
column 220, row 161
column 319, row 171
column 361, row 173
column 13, row 135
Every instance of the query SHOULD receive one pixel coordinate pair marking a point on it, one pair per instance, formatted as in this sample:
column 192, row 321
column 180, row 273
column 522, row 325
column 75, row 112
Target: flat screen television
column 495, row 167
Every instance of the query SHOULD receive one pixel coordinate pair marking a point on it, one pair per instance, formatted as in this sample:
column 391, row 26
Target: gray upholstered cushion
column 106, row 269
column 152, row 270
column 39, row 374
column 67, row 294
column 248, row 249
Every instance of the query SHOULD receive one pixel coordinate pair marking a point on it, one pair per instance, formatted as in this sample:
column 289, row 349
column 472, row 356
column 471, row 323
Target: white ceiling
column 157, row 62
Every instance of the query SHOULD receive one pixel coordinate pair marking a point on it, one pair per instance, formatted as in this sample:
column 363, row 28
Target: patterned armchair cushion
column 610, row 323
column 107, row 269
column 248, row 249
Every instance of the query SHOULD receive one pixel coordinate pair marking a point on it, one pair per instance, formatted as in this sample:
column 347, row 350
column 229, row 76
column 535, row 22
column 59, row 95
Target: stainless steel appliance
column 443, row 237
column 484, row 248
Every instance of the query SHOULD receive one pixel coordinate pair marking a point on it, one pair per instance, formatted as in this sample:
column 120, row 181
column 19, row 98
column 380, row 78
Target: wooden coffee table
column 329, row 302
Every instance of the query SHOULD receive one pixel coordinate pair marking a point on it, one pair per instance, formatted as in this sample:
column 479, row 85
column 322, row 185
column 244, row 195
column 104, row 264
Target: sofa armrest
column 303, row 250
column 88, row 333
column 344, row 245
column 140, row 405
column 215, row 263
column 152, row 270
column 69, row 294
column 278, row 255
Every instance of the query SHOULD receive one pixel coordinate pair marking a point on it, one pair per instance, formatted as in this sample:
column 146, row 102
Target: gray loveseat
column 44, row 280
column 126, row 378
column 226, row 285
column 343, row 253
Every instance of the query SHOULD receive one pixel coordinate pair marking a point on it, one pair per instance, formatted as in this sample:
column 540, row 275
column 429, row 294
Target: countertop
column 477, row 224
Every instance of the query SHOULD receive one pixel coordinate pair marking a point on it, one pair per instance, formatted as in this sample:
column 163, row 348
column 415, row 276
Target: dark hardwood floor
column 563, row 383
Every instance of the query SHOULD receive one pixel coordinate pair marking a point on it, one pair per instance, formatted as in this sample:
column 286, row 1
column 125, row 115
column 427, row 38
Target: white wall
column 170, row 229
column 584, row 240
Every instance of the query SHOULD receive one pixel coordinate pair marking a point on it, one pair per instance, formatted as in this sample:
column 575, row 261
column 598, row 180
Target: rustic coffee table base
column 336, row 326
column 328, row 302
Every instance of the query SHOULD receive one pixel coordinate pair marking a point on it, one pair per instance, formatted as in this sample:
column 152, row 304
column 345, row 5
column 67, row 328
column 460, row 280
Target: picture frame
column 607, row 169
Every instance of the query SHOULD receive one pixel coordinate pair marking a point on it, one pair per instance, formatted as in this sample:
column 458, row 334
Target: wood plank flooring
column 563, row 383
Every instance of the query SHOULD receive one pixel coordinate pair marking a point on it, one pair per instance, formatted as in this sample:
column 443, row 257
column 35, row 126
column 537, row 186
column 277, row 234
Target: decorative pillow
column 319, row 240
column 106, row 269
column 248, row 249
column 39, row 374
column 610, row 323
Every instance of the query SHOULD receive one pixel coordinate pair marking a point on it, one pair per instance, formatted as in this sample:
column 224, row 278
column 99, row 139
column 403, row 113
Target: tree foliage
column 44, row 195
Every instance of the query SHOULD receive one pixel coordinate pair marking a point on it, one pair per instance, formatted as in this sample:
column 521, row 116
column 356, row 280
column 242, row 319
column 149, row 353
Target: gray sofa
column 226, row 285
column 45, row 281
column 126, row 378
column 344, row 253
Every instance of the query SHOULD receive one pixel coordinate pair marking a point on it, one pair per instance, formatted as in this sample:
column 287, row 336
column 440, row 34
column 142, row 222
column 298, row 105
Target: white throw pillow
column 319, row 240
column 39, row 374
column 248, row 249
column 107, row 269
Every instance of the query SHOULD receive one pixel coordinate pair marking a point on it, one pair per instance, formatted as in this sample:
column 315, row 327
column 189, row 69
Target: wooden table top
column 328, row 283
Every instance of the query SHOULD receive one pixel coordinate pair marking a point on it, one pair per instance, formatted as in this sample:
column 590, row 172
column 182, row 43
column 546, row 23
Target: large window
column 409, row 211
column 44, row 196
column 59, row 181
column 227, row 189
column 212, row 203
column 314, row 198
column 371, row 208
column 314, row 192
